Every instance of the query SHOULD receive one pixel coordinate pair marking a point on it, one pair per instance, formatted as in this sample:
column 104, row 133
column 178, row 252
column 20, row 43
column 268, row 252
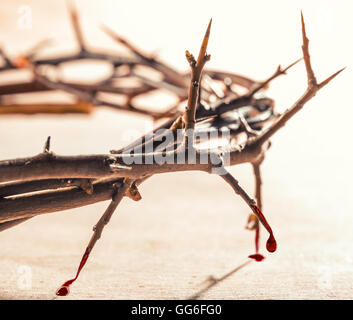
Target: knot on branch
column 133, row 193
column 190, row 58
column 217, row 162
column 86, row 185
column 207, row 57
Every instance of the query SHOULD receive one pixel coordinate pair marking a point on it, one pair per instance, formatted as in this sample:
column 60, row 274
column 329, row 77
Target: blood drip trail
column 271, row 244
column 257, row 238
column 257, row 256
column 64, row 290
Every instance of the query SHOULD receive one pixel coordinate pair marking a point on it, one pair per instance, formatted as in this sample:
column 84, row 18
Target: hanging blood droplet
column 64, row 290
column 271, row 244
column 257, row 257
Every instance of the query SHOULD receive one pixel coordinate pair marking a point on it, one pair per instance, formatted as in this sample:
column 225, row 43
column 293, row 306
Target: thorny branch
column 48, row 182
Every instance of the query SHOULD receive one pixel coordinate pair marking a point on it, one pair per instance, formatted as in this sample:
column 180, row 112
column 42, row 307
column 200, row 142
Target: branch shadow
column 212, row 281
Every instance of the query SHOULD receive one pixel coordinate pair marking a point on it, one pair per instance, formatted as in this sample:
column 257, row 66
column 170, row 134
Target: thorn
column 303, row 24
column 47, row 145
column 112, row 34
column 325, row 82
column 208, row 29
column 177, row 124
column 291, row 65
column 75, row 24
column 312, row 83
column 266, row 83
column 203, row 49
column 109, row 31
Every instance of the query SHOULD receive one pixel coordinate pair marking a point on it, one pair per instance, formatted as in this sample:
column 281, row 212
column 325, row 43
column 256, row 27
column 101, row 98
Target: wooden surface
column 158, row 248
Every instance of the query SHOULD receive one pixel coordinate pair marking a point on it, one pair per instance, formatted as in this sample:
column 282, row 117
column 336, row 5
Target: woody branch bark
column 36, row 203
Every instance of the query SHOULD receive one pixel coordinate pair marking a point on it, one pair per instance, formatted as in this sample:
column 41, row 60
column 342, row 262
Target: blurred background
column 189, row 226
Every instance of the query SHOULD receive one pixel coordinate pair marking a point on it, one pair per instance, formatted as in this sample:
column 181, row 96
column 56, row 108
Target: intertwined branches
column 134, row 69
column 48, row 182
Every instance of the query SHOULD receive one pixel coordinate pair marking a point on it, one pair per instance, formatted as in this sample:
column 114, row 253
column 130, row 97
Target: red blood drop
column 257, row 257
column 63, row 291
column 271, row 244
column 65, row 288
